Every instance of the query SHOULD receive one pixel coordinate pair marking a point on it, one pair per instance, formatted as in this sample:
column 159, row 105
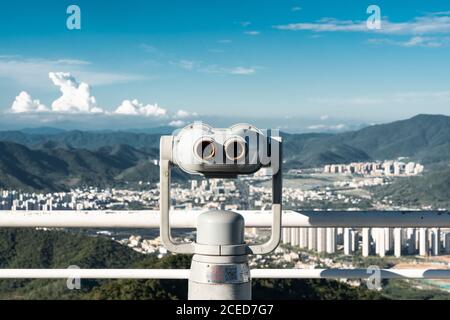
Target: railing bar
column 187, row 219
column 255, row 273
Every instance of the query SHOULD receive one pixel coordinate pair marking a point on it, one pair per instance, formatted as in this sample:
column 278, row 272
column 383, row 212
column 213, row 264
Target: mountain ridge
column 76, row 158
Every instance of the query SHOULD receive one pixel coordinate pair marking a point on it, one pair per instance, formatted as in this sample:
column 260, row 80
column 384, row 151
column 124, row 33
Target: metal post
column 225, row 276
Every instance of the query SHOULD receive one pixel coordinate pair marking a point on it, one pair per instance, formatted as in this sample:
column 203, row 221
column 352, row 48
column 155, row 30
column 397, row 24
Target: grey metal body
column 219, row 269
column 189, row 248
column 225, row 276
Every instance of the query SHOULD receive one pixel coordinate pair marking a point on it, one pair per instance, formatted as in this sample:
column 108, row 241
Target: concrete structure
column 347, row 241
column 365, row 242
column 286, row 235
column 321, row 240
column 423, row 242
column 447, row 243
column 303, row 243
column 388, row 239
column 435, row 242
column 381, row 241
column 411, row 240
column 294, row 237
column 354, row 240
column 398, row 242
column 331, row 240
column 312, row 238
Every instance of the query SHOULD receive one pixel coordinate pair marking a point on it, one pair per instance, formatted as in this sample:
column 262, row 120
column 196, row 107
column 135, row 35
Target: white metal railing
column 258, row 219
column 187, row 219
column 255, row 273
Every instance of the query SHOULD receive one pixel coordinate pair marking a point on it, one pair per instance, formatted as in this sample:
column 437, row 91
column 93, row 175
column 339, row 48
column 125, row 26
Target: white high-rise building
column 423, row 242
column 365, row 242
column 447, row 242
column 312, row 238
column 411, row 240
column 398, row 242
column 303, row 238
column 331, row 240
column 321, row 240
column 347, row 241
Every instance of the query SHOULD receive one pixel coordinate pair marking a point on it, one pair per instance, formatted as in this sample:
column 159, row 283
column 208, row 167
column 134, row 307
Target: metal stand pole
column 220, row 271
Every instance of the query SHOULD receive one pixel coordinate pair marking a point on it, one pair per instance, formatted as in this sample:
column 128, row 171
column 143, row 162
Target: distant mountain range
column 62, row 168
column 423, row 137
column 55, row 159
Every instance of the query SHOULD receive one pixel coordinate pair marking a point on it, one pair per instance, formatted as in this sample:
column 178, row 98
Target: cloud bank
column 76, row 98
column 136, row 108
column 24, row 103
column 430, row 30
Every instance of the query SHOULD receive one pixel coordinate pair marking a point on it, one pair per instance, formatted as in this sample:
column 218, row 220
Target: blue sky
column 307, row 65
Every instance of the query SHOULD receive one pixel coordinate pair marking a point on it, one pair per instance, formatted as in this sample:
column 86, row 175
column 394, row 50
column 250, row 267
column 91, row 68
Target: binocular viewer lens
column 206, row 149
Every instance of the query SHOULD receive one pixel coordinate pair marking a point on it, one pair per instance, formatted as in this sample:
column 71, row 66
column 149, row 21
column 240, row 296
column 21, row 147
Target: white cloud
column 335, row 127
column 398, row 98
column 437, row 23
column 177, row 123
column 198, row 66
column 76, row 97
column 33, row 72
column 215, row 69
column 252, row 33
column 416, row 41
column 182, row 114
column 136, row 108
column 296, row 9
column 185, row 64
column 324, row 117
column 325, row 25
column 24, row 103
column 242, row 71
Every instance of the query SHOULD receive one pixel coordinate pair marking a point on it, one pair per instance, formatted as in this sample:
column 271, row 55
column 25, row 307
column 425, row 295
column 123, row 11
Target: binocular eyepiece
column 240, row 149
column 206, row 148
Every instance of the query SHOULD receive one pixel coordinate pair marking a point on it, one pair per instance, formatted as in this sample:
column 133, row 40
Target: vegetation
column 27, row 248
column 431, row 189
column 59, row 169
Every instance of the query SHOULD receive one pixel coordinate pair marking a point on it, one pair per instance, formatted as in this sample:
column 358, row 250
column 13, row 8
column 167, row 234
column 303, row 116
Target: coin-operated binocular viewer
column 219, row 268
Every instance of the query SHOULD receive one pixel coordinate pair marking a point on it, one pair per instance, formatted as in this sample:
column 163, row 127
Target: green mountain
column 91, row 140
column 64, row 159
column 431, row 189
column 424, row 137
column 62, row 168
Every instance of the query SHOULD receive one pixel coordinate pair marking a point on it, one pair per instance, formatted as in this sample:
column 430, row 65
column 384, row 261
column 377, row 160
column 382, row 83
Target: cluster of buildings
column 145, row 246
column 371, row 241
column 209, row 194
column 261, row 197
column 241, row 194
column 78, row 199
column 381, row 168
